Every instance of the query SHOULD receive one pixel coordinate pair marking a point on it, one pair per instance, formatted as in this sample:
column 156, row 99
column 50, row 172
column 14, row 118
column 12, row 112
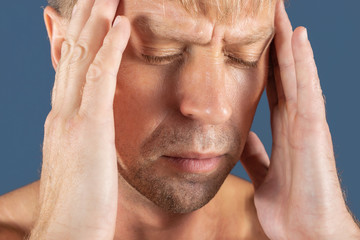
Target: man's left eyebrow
column 264, row 34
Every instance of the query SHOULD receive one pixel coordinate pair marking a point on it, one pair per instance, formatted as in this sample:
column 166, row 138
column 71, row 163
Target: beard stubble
column 179, row 192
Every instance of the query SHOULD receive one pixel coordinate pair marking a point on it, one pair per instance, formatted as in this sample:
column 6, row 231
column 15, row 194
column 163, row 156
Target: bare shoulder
column 17, row 211
column 238, row 186
column 237, row 206
column 11, row 233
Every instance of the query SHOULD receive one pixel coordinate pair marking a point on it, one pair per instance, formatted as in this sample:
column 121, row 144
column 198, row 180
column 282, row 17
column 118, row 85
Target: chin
column 179, row 193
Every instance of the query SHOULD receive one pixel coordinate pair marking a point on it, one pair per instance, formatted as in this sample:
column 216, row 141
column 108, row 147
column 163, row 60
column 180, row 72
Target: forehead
column 221, row 10
column 199, row 18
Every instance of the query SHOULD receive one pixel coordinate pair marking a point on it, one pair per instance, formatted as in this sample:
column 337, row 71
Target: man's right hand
column 79, row 179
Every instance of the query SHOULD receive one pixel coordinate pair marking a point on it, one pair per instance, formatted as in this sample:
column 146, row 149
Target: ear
column 56, row 27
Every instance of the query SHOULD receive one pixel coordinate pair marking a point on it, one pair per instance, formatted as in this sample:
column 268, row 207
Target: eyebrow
column 159, row 29
column 162, row 29
column 261, row 34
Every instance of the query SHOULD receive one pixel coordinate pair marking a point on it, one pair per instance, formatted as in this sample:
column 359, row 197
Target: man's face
column 186, row 95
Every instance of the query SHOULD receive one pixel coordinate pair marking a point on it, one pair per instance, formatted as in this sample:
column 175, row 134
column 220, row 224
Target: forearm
column 352, row 234
column 60, row 233
column 345, row 230
column 55, row 228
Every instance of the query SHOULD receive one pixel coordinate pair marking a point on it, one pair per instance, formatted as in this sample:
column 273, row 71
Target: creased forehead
column 227, row 10
column 221, row 10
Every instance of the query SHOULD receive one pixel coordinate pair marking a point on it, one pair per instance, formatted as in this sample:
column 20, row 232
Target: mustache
column 191, row 137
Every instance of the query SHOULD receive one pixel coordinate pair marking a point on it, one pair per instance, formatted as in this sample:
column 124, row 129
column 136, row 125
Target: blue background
column 27, row 77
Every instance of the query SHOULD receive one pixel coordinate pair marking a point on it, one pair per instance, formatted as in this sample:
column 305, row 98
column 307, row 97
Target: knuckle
column 97, row 71
column 52, row 123
column 94, row 72
column 72, row 125
column 81, row 52
column 287, row 65
column 48, row 121
column 66, row 48
column 86, row 115
column 58, row 125
column 54, row 118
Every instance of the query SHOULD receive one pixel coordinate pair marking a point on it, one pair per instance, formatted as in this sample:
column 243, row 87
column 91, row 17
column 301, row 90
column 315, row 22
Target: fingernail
column 305, row 34
column 74, row 9
column 117, row 21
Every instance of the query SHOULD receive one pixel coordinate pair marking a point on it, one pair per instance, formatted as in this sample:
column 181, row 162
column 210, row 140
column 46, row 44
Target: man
column 143, row 150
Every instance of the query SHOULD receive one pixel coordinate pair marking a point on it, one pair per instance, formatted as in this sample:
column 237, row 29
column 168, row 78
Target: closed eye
column 241, row 62
column 164, row 60
column 161, row 60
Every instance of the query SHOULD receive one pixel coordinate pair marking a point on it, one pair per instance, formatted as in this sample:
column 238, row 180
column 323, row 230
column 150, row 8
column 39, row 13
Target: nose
column 202, row 91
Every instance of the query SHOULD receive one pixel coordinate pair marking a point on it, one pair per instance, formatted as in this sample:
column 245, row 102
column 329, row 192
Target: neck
column 139, row 218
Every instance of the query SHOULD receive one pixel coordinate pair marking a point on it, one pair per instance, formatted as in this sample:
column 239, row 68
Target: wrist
column 44, row 230
column 348, row 230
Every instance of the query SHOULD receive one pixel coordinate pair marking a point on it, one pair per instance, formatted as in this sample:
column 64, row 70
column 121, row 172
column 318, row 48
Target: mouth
column 195, row 162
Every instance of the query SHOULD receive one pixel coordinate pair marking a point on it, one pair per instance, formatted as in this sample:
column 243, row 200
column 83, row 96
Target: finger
column 86, row 48
column 80, row 15
column 285, row 58
column 98, row 25
column 271, row 91
column 310, row 98
column 255, row 160
column 99, row 89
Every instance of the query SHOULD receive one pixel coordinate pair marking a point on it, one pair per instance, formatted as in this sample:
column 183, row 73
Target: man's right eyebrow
column 162, row 29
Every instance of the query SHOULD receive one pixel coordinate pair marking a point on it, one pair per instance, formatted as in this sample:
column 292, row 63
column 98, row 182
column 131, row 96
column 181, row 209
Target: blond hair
column 222, row 8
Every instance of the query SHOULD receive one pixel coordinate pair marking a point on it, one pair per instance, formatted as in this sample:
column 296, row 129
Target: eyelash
column 168, row 59
column 241, row 62
column 161, row 60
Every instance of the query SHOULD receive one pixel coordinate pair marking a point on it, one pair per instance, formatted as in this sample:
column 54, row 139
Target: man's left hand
column 297, row 191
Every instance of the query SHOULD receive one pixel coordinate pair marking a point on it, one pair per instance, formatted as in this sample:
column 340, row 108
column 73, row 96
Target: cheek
column 139, row 106
column 245, row 90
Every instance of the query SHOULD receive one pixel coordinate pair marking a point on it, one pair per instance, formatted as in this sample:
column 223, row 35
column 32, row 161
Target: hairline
column 224, row 8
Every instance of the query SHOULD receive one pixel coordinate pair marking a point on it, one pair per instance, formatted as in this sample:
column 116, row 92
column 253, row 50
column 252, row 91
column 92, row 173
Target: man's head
column 188, row 86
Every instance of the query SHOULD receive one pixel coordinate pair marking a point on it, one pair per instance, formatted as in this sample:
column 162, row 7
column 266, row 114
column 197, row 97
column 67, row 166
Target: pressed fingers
column 310, row 99
column 95, row 22
column 80, row 15
column 99, row 89
column 286, row 86
column 87, row 46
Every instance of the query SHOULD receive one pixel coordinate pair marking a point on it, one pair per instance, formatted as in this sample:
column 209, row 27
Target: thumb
column 255, row 159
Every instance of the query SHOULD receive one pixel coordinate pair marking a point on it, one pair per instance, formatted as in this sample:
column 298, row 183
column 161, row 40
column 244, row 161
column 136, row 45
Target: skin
column 108, row 119
column 170, row 103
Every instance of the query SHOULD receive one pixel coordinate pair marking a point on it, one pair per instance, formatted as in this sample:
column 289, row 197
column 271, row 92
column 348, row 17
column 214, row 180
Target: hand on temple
column 297, row 191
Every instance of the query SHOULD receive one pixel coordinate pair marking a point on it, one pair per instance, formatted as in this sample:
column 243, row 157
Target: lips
column 194, row 155
column 195, row 162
